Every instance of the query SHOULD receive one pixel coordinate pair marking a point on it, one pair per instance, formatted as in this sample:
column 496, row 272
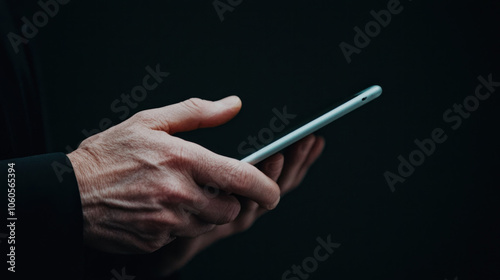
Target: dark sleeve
column 46, row 219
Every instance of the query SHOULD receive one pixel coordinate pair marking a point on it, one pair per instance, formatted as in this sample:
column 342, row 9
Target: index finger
column 232, row 176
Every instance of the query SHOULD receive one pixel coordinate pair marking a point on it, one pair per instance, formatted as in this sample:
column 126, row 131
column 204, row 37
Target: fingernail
column 230, row 101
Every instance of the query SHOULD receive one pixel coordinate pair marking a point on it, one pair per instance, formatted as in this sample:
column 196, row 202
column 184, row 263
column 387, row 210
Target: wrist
column 82, row 166
column 79, row 166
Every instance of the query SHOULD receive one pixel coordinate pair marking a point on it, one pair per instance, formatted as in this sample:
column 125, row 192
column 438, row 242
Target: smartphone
column 333, row 113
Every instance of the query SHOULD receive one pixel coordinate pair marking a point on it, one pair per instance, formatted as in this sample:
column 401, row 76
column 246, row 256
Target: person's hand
column 141, row 187
column 288, row 170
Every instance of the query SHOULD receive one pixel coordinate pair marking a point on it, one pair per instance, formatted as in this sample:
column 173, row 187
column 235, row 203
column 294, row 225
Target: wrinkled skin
column 144, row 190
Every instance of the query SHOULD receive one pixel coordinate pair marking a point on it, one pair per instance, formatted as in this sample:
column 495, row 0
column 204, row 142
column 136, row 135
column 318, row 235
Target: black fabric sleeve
column 46, row 220
column 47, row 224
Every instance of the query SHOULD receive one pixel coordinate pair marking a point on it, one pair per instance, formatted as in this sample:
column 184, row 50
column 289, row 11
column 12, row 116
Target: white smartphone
column 343, row 108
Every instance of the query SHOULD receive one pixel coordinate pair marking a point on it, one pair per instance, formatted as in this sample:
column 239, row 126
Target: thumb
column 191, row 114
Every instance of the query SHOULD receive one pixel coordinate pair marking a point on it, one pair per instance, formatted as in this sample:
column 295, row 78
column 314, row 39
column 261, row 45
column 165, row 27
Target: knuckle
column 179, row 196
column 229, row 214
column 144, row 116
column 194, row 104
column 200, row 202
column 176, row 156
column 239, row 177
column 181, row 156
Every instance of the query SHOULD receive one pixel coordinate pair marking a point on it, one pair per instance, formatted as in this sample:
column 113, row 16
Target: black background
column 441, row 223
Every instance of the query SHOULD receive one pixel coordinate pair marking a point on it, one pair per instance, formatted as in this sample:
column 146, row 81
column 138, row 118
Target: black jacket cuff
column 47, row 218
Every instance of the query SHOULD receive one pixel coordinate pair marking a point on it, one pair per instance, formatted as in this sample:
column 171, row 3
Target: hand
column 288, row 170
column 140, row 186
